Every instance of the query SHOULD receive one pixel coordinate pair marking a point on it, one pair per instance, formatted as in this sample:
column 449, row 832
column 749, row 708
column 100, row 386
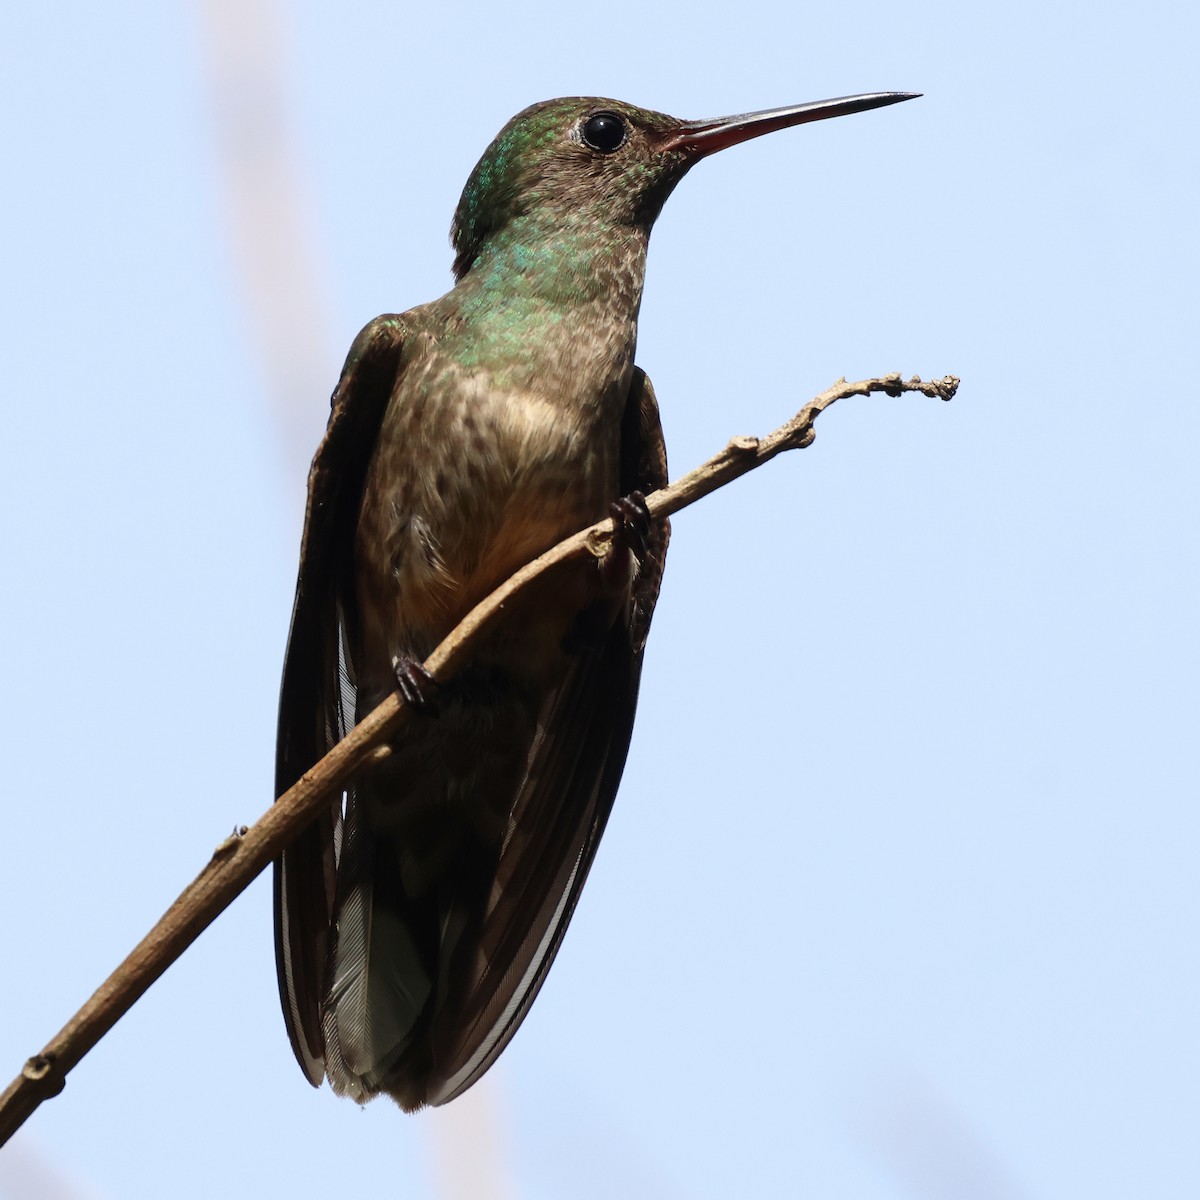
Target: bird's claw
column 631, row 523
column 416, row 685
column 629, row 545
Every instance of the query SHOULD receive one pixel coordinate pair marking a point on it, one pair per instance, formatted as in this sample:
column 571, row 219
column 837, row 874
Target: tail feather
column 380, row 983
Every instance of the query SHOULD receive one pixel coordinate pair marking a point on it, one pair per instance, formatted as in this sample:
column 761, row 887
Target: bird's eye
column 604, row 131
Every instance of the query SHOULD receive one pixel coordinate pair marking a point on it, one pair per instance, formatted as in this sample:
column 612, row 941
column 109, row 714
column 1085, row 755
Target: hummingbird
column 417, row 917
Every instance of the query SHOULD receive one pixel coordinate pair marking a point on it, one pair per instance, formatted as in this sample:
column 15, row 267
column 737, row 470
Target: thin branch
column 238, row 859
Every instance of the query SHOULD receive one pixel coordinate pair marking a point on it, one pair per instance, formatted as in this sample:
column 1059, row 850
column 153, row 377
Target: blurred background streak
column 27, row 1172
column 277, row 251
column 925, row 1143
column 899, row 896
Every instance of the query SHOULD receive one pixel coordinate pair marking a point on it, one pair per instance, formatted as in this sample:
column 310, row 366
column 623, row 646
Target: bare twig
column 240, row 857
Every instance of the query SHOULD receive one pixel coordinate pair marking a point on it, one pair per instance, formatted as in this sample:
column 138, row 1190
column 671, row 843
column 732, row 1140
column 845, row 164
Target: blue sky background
column 899, row 896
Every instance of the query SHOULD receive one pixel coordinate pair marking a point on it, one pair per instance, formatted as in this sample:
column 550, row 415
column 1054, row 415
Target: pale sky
column 899, row 894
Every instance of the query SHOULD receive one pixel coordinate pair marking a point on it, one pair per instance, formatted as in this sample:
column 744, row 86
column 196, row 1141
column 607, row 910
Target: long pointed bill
column 699, row 138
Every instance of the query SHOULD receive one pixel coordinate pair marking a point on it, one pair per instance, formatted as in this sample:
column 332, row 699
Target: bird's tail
column 380, row 981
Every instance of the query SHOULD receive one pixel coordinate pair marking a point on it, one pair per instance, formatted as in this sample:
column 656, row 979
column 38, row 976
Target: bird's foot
column 631, row 535
column 416, row 685
column 631, row 522
column 618, row 565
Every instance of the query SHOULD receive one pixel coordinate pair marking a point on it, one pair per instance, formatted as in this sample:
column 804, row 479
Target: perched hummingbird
column 416, row 919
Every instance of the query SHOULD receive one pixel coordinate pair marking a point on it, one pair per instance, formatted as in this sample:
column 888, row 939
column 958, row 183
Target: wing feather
column 561, row 809
column 316, row 702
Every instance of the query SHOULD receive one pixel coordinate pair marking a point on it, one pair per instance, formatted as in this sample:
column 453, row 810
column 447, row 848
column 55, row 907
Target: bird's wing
column 316, row 704
column 561, row 808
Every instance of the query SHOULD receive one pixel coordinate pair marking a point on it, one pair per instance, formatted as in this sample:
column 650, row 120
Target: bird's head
column 585, row 157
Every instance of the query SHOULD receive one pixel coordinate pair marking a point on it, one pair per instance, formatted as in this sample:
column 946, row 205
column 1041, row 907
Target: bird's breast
column 476, row 472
